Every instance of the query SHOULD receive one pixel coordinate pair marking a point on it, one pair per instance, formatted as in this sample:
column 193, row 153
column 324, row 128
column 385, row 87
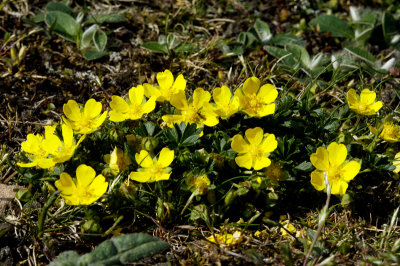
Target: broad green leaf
column 304, row 166
column 67, row 258
column 100, row 40
column 281, row 55
column 150, row 128
column 389, row 27
column 56, row 6
column 333, row 24
column 93, row 54
column 263, row 31
column 105, row 18
column 299, row 53
column 63, row 24
column 155, row 47
column 287, row 38
column 362, row 54
column 87, row 36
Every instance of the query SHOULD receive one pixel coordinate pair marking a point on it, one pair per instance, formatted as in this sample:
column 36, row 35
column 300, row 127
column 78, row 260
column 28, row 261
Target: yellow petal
column 84, row 175
column 117, row 116
column 245, row 161
column 68, row 135
column 269, row 144
column 375, row 107
column 98, row 187
column 200, row 97
column 339, row 187
column 163, row 176
column 179, row 84
column 350, row 170
column 396, row 162
column 46, row 163
column 251, row 86
column 140, row 176
column 92, row 108
column 239, row 145
column 150, row 91
column 222, row 96
column 136, row 95
column 165, row 158
column 268, row 93
column 255, row 135
column 179, row 101
column 266, row 110
column 144, row 159
column 320, row 159
column 65, row 184
column 367, row 97
column 337, row 154
column 317, row 180
column 118, row 104
column 72, row 111
column 261, row 162
column 352, row 97
column 165, row 80
column 149, row 106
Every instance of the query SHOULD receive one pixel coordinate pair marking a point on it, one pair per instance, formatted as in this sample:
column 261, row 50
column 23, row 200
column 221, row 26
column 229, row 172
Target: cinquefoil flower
column 167, row 86
column 38, row 150
column 256, row 101
column 225, row 105
column 226, row 239
column 330, row 164
column 85, row 189
column 84, row 121
column 365, row 104
column 255, row 149
column 134, row 108
column 118, row 160
column 66, row 147
column 153, row 169
column 197, row 110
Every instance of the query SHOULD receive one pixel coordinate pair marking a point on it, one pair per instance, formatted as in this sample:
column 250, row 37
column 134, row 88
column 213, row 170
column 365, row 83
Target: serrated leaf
column 105, row 18
column 333, row 24
column 93, row 54
column 87, row 36
column 155, row 47
column 361, row 53
column 63, row 24
column 263, row 31
column 172, row 135
column 100, row 40
column 57, row 6
column 304, row 166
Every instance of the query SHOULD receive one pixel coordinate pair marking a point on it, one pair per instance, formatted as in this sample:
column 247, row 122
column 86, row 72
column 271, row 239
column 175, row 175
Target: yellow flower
column 198, row 183
column 85, row 189
column 330, row 163
column 37, row 150
column 197, row 110
column 153, row 169
column 255, row 149
column 390, row 132
column 84, row 121
column 288, row 226
column 225, row 105
column 118, row 160
column 134, row 108
column 256, row 101
column 364, row 104
column 396, row 162
column 167, row 86
column 67, row 147
column 227, row 239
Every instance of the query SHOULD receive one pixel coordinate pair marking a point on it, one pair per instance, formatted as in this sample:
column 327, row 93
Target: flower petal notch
column 365, row 103
column 257, row 101
column 332, row 168
column 153, row 169
column 84, row 121
column 85, row 189
column 167, row 86
column 254, row 149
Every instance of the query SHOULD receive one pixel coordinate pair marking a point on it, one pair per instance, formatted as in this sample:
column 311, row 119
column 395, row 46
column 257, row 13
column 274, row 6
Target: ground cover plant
column 204, row 132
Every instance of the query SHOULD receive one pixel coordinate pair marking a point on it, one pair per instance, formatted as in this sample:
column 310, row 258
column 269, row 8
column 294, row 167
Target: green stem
column 43, row 214
column 321, row 222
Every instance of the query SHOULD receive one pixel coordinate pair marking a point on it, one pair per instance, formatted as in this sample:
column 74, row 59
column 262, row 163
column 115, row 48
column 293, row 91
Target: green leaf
column 263, row 31
column 390, row 28
column 105, row 18
column 362, row 54
column 155, row 47
column 63, row 24
column 115, row 251
column 87, row 36
column 333, row 24
column 56, row 6
column 299, row 53
column 304, row 166
column 93, row 54
column 287, row 38
column 282, row 55
column 150, row 128
column 100, row 40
